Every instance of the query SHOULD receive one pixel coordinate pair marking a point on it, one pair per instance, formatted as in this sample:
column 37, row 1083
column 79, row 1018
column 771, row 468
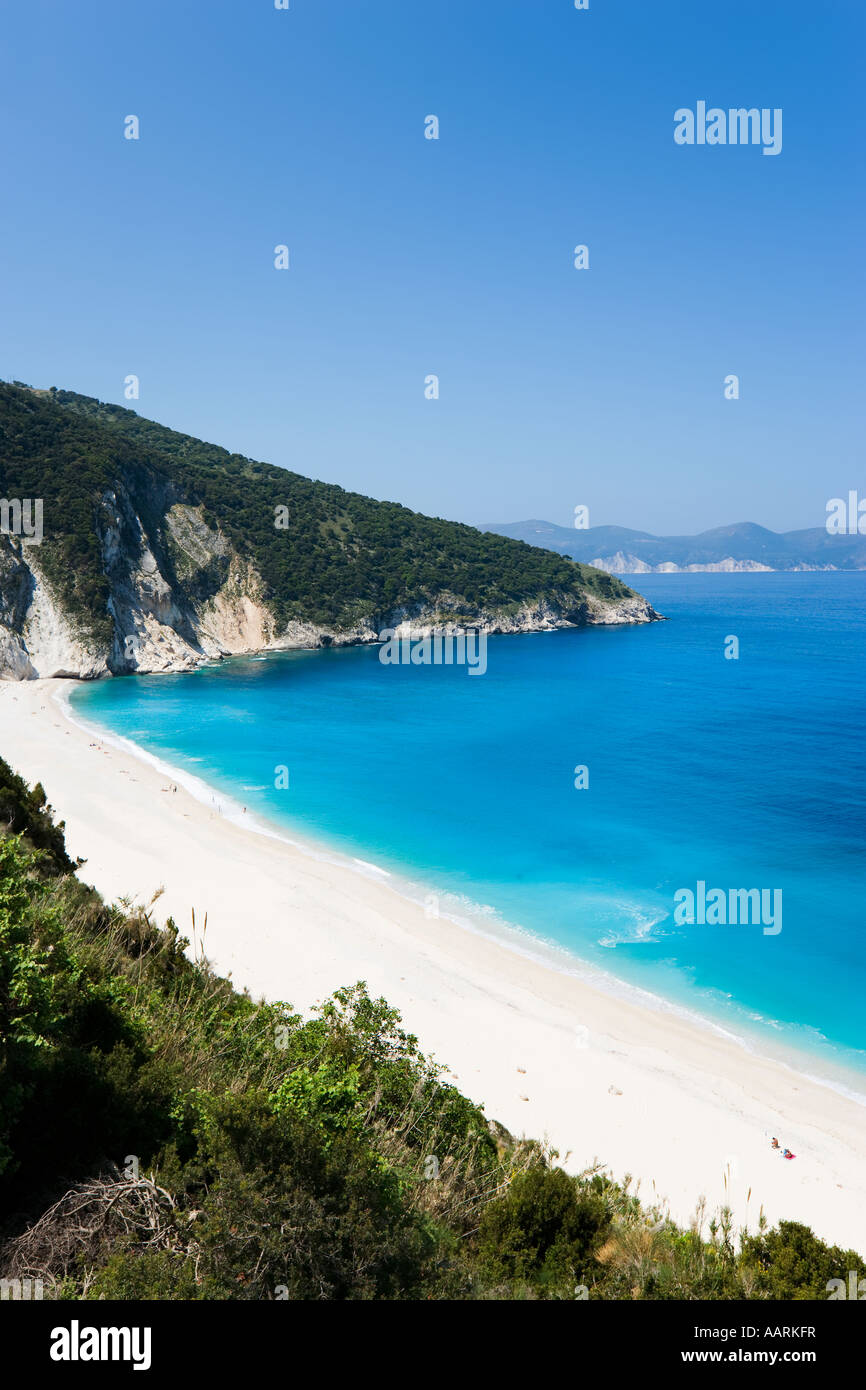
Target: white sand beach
column 602, row 1077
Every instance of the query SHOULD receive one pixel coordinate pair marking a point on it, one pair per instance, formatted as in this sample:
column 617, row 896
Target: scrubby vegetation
column 342, row 557
column 164, row 1137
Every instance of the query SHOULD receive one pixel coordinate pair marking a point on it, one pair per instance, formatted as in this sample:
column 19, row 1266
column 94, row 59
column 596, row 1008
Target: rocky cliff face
column 181, row 596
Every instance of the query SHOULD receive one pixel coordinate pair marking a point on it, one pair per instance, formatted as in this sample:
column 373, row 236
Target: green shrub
column 543, row 1227
column 792, row 1263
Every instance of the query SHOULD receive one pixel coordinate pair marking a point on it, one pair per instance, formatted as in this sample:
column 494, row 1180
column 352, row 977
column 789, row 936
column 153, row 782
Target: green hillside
column 342, row 556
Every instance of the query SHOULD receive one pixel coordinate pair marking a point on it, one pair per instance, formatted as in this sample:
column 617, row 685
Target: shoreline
column 845, row 1080
column 635, row 1082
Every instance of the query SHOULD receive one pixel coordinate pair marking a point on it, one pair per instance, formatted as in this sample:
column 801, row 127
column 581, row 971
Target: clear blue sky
column 454, row 257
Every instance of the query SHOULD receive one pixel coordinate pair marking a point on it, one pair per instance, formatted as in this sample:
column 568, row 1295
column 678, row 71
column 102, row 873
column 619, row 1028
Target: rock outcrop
column 208, row 603
column 622, row 563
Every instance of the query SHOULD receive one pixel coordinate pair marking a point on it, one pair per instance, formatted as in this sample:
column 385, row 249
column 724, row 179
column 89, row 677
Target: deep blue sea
column 738, row 773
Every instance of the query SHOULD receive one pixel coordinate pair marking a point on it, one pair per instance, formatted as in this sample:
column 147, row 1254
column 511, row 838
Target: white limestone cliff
column 184, row 597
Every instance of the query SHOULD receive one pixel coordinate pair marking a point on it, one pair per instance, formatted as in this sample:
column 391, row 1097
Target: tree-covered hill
column 342, row 547
column 216, row 524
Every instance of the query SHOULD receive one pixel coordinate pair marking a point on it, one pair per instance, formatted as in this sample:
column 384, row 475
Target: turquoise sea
column 738, row 773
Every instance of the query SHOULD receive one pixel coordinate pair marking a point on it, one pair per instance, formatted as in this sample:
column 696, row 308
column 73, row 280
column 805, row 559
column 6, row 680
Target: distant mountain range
column 741, row 547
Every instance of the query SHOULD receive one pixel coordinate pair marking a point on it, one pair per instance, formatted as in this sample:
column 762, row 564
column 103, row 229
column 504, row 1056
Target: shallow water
column 738, row 773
